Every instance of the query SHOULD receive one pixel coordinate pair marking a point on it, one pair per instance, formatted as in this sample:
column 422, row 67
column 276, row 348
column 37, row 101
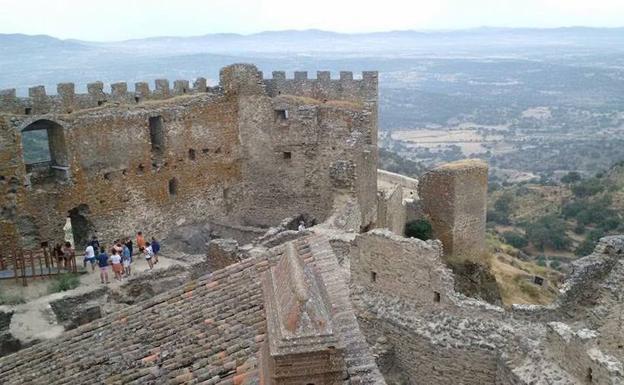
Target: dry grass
column 514, row 276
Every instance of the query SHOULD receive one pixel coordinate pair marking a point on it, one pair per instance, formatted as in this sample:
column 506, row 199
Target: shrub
column 64, row 282
column 515, row 239
column 419, row 228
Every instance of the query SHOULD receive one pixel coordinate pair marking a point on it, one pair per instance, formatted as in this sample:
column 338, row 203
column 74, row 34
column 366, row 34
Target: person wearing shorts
column 89, row 257
column 116, row 263
column 102, row 260
column 148, row 253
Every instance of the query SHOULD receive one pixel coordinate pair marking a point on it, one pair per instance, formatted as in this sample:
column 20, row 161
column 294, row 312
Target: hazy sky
column 124, row 19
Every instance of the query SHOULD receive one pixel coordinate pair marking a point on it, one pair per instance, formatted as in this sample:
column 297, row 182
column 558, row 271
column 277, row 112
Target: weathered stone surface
column 204, row 155
column 454, row 197
column 222, row 253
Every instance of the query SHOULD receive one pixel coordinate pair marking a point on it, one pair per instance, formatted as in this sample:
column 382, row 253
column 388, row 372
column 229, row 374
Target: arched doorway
column 44, row 151
column 81, row 227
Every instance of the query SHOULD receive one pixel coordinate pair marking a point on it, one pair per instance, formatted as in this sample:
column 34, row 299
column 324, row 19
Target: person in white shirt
column 301, row 226
column 149, row 253
column 116, row 262
column 89, row 257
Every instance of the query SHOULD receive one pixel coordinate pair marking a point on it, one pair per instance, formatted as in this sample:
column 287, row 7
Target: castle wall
column 579, row 355
column 301, row 151
column 427, row 363
column 391, row 213
column 113, row 171
column 234, row 154
column 454, row 196
column 380, row 261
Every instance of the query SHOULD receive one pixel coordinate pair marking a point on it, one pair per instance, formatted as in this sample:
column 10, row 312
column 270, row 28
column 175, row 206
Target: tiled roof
column 208, row 332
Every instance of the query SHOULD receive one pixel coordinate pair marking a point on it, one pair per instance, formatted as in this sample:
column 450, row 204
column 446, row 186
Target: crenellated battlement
column 67, row 100
column 324, row 87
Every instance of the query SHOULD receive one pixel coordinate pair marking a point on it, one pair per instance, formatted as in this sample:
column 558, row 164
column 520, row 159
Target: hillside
column 555, row 222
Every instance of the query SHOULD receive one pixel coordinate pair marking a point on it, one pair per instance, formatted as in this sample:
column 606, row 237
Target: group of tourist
column 119, row 256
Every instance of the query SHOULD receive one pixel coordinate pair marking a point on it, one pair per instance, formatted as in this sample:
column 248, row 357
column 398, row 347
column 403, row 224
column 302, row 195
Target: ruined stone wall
column 391, row 213
column 454, row 196
column 400, row 267
column 113, row 172
column 233, row 154
column 427, row 363
column 579, row 354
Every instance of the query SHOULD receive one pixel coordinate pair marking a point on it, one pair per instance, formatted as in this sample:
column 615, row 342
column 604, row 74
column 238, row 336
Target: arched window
column 44, row 151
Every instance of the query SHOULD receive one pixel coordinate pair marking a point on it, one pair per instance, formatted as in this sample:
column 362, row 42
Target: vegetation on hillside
column 569, row 216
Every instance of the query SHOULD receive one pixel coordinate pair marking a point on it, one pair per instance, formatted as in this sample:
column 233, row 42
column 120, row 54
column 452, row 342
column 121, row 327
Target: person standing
column 126, row 259
column 148, row 253
column 116, row 263
column 58, row 253
column 68, row 254
column 155, row 249
column 95, row 243
column 140, row 240
column 89, row 257
column 129, row 246
column 102, row 260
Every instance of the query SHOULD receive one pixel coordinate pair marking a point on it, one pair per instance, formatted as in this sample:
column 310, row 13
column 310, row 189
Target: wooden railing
column 24, row 264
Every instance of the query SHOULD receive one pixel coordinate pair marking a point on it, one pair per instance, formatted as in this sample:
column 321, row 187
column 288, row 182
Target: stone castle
column 349, row 300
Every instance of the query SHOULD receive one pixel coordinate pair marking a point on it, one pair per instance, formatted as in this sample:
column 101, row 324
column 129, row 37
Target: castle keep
column 248, row 152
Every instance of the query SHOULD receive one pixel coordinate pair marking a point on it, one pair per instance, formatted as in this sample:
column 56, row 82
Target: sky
column 126, row 19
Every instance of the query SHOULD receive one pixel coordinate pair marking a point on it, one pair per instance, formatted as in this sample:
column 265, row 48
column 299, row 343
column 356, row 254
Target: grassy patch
column 6, row 299
column 64, row 282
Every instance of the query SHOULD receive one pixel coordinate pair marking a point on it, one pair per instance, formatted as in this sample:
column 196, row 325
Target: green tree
column 548, row 231
column 419, row 228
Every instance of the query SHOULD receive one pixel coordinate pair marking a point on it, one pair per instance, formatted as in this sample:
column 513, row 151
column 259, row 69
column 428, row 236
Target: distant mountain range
column 317, row 41
column 32, row 60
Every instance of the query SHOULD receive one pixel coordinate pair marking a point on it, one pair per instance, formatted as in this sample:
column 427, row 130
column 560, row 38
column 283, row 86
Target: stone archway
column 81, row 226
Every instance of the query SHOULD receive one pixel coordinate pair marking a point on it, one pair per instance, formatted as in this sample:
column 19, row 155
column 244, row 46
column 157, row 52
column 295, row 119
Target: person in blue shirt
column 155, row 249
column 102, row 260
column 126, row 259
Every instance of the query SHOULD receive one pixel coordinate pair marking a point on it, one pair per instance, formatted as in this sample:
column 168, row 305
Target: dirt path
column 35, row 319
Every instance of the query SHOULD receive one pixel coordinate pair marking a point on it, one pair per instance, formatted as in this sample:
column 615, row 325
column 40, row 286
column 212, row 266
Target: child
column 148, row 253
column 102, row 259
column 116, row 262
column 126, row 260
